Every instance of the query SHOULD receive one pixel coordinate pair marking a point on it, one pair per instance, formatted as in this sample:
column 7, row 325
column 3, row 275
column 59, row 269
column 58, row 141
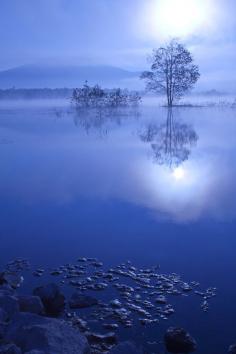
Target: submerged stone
column 35, row 351
column 3, row 327
column 232, row 349
column 98, row 286
column 56, row 272
column 126, row 348
column 10, row 349
column 97, row 264
column 116, row 303
column 177, row 340
column 78, row 300
column 80, row 323
column 111, row 326
column 3, row 315
column 161, row 299
column 11, row 278
column 186, row 287
column 108, row 338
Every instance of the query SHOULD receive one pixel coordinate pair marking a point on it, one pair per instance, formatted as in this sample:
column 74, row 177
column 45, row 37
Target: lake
column 147, row 185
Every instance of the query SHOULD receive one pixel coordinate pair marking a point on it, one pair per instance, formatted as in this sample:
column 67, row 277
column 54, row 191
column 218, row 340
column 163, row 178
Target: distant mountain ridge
column 52, row 76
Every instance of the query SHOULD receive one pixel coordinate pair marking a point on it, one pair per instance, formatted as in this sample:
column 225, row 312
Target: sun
column 177, row 18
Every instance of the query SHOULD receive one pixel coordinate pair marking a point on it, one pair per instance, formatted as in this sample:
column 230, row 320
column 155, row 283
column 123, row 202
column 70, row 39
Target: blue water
column 137, row 185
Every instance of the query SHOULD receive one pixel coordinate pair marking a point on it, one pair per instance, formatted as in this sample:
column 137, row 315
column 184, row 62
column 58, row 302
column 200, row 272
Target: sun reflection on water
column 178, row 173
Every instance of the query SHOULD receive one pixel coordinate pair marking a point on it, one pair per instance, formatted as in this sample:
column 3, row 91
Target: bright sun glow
column 179, row 173
column 177, row 18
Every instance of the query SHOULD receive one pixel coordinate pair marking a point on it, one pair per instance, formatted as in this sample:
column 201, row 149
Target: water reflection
column 54, row 162
column 170, row 142
column 100, row 119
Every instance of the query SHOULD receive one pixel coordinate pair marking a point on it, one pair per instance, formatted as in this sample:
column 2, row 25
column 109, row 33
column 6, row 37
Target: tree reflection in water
column 101, row 119
column 171, row 142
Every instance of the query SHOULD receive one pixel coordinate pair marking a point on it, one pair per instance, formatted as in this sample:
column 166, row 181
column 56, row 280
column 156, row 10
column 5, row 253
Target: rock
column 56, row 272
column 10, row 349
column 110, row 326
column 9, row 305
column 186, row 287
column 122, row 314
column 38, row 272
column 36, row 351
column 125, row 305
column 161, row 299
column 127, row 323
column 2, row 279
column 3, row 315
column 17, row 265
column 52, row 298
column 50, row 335
column 99, row 286
column 145, row 321
column 232, row 349
column 97, row 264
column 205, row 306
column 78, row 301
column 108, row 338
column 31, row 304
column 11, row 278
column 6, row 289
column 126, row 348
column 116, row 303
column 177, row 340
column 3, row 327
column 82, row 325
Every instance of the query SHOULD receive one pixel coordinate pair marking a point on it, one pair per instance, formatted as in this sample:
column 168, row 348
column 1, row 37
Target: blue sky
column 114, row 32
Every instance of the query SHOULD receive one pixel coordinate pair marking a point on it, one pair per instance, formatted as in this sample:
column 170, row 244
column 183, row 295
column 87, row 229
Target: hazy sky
column 118, row 32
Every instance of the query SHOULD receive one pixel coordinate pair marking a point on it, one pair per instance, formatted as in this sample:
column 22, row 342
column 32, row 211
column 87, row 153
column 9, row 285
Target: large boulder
column 177, row 340
column 50, row 335
column 232, row 349
column 52, row 298
column 31, row 304
column 78, row 300
column 9, row 305
column 126, row 348
column 10, row 349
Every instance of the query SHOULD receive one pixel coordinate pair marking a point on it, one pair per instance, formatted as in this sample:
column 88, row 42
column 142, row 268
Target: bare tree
column 172, row 71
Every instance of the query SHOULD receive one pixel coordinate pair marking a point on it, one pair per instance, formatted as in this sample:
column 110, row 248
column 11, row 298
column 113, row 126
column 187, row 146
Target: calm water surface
column 147, row 185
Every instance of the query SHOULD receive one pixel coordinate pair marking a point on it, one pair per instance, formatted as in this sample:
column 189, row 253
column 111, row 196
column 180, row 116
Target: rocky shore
column 64, row 316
